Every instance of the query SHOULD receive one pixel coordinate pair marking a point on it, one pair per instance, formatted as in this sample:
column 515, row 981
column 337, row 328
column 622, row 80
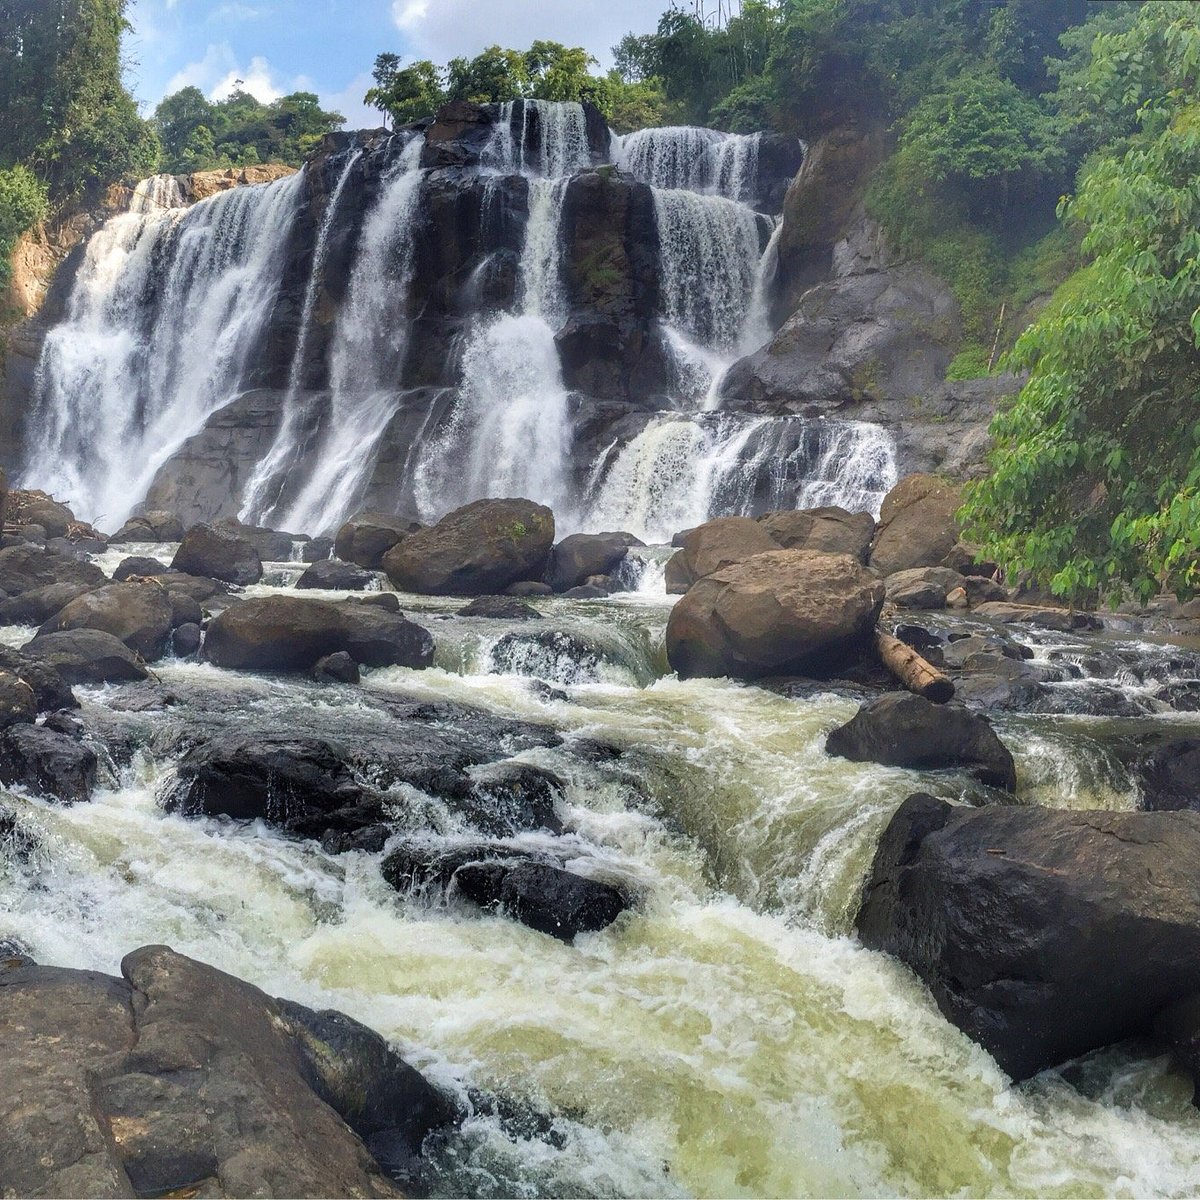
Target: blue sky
column 328, row 46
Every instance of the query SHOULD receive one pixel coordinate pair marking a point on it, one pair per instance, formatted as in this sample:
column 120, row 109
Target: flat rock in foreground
column 1042, row 933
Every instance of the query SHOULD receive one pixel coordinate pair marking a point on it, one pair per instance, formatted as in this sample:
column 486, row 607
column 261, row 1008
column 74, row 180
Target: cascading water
column 558, row 129
column 691, row 157
column 163, row 318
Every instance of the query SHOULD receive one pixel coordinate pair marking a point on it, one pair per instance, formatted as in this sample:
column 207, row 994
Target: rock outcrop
column 918, row 525
column 218, row 553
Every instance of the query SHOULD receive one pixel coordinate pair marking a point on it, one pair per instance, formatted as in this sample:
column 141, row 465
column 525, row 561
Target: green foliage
column 971, row 362
column 197, row 134
column 1096, row 483
column 405, row 95
column 23, row 203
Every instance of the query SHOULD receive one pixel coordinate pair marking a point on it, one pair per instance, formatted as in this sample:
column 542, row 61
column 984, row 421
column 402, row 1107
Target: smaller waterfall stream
column 693, row 158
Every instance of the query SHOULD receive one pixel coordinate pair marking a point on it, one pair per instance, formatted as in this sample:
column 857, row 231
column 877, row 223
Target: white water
column 562, row 139
column 161, row 323
column 695, row 158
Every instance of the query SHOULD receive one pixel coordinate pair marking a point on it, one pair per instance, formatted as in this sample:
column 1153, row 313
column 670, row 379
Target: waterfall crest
column 694, row 158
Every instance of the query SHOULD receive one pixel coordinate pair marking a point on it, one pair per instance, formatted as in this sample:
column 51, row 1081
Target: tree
column 178, row 117
column 405, row 95
column 23, row 203
column 492, row 77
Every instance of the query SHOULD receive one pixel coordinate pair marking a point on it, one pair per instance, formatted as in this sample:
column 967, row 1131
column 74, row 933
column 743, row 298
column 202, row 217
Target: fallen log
column 912, row 670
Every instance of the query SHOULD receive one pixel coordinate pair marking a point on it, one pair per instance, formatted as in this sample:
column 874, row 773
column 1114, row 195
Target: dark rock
column 198, row 587
column 317, row 549
column 35, row 508
column 507, row 796
column 388, row 601
column 368, row 536
column 336, row 576
column 50, row 690
column 218, row 553
column 903, row 730
column 336, row 668
column 149, row 527
column 184, row 609
column 139, row 614
column 500, row 608
column 829, row 530
column 529, row 587
column 86, row 656
column 547, row 654
column 17, row 701
column 581, row 555
column 1170, row 776
column 1059, row 619
column 129, row 568
column 783, row 612
column 272, row 545
column 287, row 633
column 40, row 604
column 474, row 551
column 1041, row 933
column 921, row 587
column 545, row 898
column 47, row 763
column 185, row 641
column 918, row 525
column 23, row 568
column 65, row 723
column 586, row 592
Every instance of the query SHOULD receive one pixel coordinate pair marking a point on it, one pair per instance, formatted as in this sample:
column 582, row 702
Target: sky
column 328, row 46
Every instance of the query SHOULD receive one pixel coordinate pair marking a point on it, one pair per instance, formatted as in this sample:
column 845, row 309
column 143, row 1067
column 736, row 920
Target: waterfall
column 557, row 131
column 163, row 318
column 693, row 158
column 680, row 471
column 158, row 194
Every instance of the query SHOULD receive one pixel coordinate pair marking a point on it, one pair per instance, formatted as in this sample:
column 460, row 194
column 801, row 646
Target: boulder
column 155, row 526
column 717, row 544
column 184, row 609
column 529, row 587
column 40, row 604
column 86, row 656
column 1043, row 934
column 922, row 587
column 50, row 691
column 186, row 639
column 546, row 898
column 36, row 508
column 271, row 545
column 366, row 537
column 831, row 530
column 918, row 524
column 177, row 1079
column 581, row 555
column 288, row 633
column 25, row 567
column 903, row 730
column 782, row 612
column 1061, row 620
column 500, row 608
column 316, row 549
column 138, row 613
column 334, row 575
column 139, row 567
column 218, row 553
column 1169, row 775
column 476, row 550
column 47, row 763
column 18, row 705
column 198, row 587
column 336, row 668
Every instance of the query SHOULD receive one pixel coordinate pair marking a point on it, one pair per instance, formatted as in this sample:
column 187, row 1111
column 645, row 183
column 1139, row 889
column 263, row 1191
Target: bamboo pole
column 912, row 670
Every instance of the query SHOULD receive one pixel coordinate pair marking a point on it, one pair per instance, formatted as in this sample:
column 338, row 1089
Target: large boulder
column 581, row 555
column 1042, row 934
column 154, row 526
column 778, row 613
column 86, row 656
column 18, row 704
column 36, row 508
column 139, row 567
column 289, row 633
column 40, row 604
column 367, row 536
column 716, row 544
column 476, row 550
column 47, row 762
column 50, row 691
column 333, row 575
column 218, row 553
column 24, row 568
column 271, row 545
column 903, row 730
column 831, row 530
column 918, row 524
column 177, row 1079
column 1169, row 774
column 140, row 614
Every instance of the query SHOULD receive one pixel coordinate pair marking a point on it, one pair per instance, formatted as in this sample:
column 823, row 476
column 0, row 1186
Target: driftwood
column 912, row 670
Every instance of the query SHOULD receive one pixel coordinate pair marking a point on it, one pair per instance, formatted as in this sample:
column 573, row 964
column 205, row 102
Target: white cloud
column 349, row 102
column 444, row 29
column 219, row 72
column 257, row 80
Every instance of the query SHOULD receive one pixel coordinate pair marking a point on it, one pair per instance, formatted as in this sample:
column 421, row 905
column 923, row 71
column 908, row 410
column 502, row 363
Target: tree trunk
column 912, row 670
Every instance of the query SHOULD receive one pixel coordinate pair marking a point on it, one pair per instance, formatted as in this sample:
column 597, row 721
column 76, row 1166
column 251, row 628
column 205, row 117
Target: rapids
column 729, row 1036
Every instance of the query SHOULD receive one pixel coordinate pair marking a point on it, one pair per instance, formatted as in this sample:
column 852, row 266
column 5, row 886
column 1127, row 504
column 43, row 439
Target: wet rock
column 830, row 530
column 316, row 549
column 586, row 591
column 717, row 544
column 1041, row 933
column 581, row 555
column 157, row 526
column 24, row 568
column 336, row 668
column 388, row 601
column 47, row 763
column 272, row 545
column 186, row 639
column 548, row 654
column 544, row 897
column 500, row 608
column 1061, row 620
column 918, row 524
column 334, row 575
column 139, row 614
column 86, row 656
column 218, row 553
column 215, row 1088
column 138, row 566
column 50, row 691
column 184, row 609
column 287, row 633
column 903, row 730
column 199, row 587
column 420, row 866
column 366, row 537
column 529, row 587
column 17, row 701
column 1170, row 776
column 476, row 550
column 508, row 796
column 782, row 612
column 40, row 604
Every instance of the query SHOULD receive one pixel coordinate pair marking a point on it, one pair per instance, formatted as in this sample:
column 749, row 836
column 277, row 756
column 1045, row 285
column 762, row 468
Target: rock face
column 1170, row 776
column 476, row 550
column 18, row 704
column 139, row 614
column 218, row 553
column 781, row 612
column 903, row 730
column 287, row 633
column 179, row 1078
column 918, row 525
column 1042, row 934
